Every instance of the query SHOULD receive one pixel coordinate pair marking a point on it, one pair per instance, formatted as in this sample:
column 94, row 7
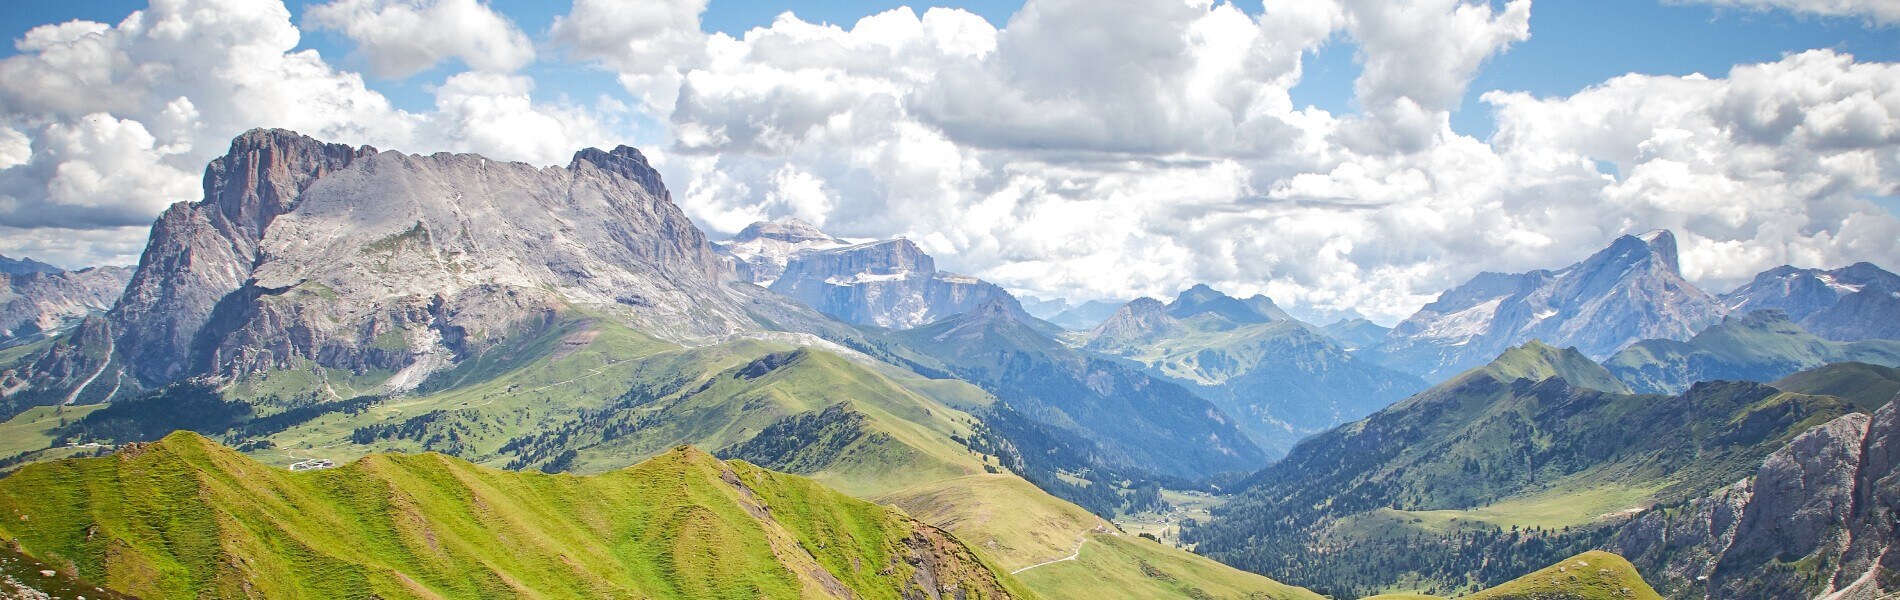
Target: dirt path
column 1079, row 542
column 95, row 374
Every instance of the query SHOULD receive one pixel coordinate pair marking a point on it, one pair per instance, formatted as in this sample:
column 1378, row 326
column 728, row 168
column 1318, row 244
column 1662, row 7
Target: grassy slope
column 1867, row 386
column 33, row 429
column 1589, row 576
column 1755, row 347
column 1112, row 566
column 1003, row 515
column 185, row 517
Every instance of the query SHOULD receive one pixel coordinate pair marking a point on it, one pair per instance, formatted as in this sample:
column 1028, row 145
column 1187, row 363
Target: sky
column 1333, row 154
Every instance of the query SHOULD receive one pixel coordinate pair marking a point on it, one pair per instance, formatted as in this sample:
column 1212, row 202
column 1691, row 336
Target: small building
column 311, row 464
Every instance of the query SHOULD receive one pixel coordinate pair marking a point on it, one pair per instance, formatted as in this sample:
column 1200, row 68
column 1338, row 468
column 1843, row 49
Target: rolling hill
column 186, row 517
column 1759, row 346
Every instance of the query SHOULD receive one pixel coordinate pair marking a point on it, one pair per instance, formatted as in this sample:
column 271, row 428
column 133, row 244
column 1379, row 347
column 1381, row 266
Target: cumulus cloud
column 103, row 125
column 399, row 38
column 1109, row 152
column 647, row 41
column 1886, row 12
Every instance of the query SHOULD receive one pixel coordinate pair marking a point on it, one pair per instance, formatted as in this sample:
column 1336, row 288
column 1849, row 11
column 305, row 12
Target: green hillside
column 1110, row 566
column 1867, row 386
column 1760, row 346
column 1495, row 472
column 185, row 517
column 1592, row 575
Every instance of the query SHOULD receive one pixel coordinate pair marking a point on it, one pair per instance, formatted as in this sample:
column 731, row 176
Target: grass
column 185, row 517
column 1592, row 575
column 1004, row 516
column 1113, row 566
column 1166, row 526
column 1556, row 508
column 33, row 429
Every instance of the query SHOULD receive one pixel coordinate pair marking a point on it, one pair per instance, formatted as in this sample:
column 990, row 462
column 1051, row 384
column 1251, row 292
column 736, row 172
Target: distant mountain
column 1816, row 519
column 1540, row 438
column 1282, row 379
column 1086, row 316
column 25, row 266
column 1759, row 346
column 1104, row 414
column 1356, row 333
column 1855, row 302
column 681, row 525
column 890, row 283
column 39, row 302
column 1631, row 291
column 1044, row 308
column 761, row 250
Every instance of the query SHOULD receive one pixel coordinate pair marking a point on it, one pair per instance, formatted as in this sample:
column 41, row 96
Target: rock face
column 760, row 252
column 25, row 266
column 1817, row 519
column 1633, row 290
column 304, row 252
column 38, row 301
column 890, row 283
column 201, row 252
column 1855, row 302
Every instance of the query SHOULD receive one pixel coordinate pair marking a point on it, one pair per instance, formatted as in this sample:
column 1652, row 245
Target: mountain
column 761, row 250
column 1355, row 333
column 1116, row 417
column 26, row 266
column 1759, row 346
column 1044, row 308
column 1631, row 291
column 1851, row 303
column 1085, row 316
column 889, row 283
column 1541, row 441
column 38, row 301
column 310, row 256
column 185, row 517
column 1281, row 379
column 1815, row 519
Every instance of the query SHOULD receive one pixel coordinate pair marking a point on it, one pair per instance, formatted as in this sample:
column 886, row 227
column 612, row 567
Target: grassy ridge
column 186, row 517
column 1589, row 576
column 1109, row 566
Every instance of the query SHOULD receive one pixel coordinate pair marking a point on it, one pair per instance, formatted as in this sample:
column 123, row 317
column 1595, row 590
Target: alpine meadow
column 964, row 300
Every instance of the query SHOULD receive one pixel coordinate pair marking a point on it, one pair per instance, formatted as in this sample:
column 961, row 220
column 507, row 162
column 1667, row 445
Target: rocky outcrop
column 1857, row 302
column 40, row 302
column 203, row 251
column 1633, row 290
column 760, row 252
column 1817, row 519
column 890, row 283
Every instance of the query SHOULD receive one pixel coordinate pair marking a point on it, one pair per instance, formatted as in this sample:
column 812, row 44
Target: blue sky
column 1105, row 149
column 1573, row 44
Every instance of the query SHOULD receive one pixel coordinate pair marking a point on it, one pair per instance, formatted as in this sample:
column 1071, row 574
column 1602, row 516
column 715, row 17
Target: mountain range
column 516, row 368
column 1282, row 379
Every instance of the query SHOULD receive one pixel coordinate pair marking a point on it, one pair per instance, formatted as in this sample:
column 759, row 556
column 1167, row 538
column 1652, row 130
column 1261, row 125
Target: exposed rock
column 1356, row 333
column 43, row 302
column 1816, row 520
column 760, row 251
column 890, row 283
column 25, row 266
column 1856, row 302
column 201, row 252
column 1633, row 290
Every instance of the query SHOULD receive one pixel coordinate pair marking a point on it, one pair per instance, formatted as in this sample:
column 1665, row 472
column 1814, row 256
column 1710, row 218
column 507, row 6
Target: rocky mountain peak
column 625, row 161
column 790, row 230
column 261, row 175
column 1204, row 299
column 25, row 266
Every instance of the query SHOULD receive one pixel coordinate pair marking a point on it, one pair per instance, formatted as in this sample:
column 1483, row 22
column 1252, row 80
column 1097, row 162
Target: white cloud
column 102, row 126
column 647, row 41
column 399, row 38
column 1886, row 12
